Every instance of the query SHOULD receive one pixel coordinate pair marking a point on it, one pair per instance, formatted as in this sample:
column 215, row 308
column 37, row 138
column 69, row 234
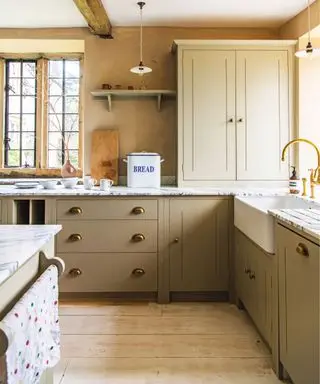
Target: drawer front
column 118, row 272
column 108, row 236
column 107, row 209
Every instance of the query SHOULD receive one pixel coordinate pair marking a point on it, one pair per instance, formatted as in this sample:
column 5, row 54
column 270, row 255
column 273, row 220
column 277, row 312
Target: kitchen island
column 26, row 251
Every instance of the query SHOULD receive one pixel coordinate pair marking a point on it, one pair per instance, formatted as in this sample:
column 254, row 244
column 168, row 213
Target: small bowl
column 48, row 184
column 70, row 182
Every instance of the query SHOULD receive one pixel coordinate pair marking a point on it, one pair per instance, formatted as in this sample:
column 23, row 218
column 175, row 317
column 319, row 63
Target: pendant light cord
column 309, row 22
column 141, row 41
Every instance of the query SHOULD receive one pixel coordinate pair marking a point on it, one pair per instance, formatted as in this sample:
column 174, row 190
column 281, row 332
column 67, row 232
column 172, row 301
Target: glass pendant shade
column 309, row 51
column 141, row 69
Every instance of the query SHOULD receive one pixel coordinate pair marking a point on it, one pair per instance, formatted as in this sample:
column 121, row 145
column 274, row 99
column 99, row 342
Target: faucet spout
column 317, row 170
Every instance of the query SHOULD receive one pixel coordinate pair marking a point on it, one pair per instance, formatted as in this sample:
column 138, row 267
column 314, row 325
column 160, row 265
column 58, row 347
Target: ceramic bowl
column 48, row 184
column 70, row 182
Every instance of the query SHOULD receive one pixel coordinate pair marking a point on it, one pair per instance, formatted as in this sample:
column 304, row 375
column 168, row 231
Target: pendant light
column 141, row 69
column 309, row 51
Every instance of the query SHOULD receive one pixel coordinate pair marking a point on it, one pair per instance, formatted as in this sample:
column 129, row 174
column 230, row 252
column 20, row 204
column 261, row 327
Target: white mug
column 89, row 182
column 105, row 184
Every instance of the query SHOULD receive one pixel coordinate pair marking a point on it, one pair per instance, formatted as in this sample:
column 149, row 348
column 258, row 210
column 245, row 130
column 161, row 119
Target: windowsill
column 32, row 173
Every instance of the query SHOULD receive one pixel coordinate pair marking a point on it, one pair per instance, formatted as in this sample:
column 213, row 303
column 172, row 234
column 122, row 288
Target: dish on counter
column 48, row 184
column 70, row 182
column 26, row 184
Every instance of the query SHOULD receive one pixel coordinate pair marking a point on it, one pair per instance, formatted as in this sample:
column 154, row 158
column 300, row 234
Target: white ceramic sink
column 252, row 218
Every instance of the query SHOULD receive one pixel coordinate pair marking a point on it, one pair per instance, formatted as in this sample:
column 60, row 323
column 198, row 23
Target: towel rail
column 44, row 263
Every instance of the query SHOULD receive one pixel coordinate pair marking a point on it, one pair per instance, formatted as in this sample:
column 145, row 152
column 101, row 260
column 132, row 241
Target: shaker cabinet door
column 299, row 306
column 263, row 126
column 208, row 113
column 199, row 245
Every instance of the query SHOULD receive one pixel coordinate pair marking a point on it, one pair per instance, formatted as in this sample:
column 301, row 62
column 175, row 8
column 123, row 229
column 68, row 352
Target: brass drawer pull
column 75, row 272
column 176, row 240
column 302, row 249
column 138, row 272
column 138, row 210
column 252, row 276
column 138, row 237
column 247, row 270
column 75, row 237
column 75, row 211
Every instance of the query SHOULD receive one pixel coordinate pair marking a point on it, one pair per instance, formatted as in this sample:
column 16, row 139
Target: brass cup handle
column 302, row 249
column 75, row 237
column 138, row 272
column 252, row 276
column 138, row 210
column 75, row 211
column 75, row 272
column 138, row 237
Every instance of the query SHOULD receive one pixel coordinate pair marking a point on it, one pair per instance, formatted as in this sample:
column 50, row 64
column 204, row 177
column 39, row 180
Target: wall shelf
column 128, row 93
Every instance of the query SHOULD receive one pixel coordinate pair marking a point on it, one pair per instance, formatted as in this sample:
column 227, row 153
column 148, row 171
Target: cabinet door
column 263, row 126
column 199, row 244
column 299, row 307
column 208, row 109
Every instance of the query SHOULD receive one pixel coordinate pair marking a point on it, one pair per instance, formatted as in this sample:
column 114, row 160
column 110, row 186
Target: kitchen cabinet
column 254, row 283
column 298, row 306
column 199, row 244
column 234, row 111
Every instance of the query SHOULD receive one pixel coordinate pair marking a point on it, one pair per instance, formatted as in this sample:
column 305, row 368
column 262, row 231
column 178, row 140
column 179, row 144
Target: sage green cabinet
column 199, row 244
column 298, row 306
column 254, row 282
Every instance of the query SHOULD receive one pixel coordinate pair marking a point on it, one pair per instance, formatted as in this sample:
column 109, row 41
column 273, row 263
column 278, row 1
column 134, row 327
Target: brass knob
column 302, row 249
column 75, row 272
column 75, row 237
column 176, row 240
column 240, row 120
column 75, row 211
column 138, row 237
column 138, row 272
column 138, row 210
column 252, row 276
column 247, row 270
column 230, row 120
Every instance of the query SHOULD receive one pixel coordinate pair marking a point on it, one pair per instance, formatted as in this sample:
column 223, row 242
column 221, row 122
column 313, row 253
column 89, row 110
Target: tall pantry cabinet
column 234, row 110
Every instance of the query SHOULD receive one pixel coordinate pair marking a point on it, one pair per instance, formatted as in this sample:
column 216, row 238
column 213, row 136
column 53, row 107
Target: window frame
column 41, row 156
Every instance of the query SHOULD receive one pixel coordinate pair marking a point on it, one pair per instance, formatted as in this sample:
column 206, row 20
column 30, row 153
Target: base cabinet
column 254, row 282
column 298, row 306
column 199, row 244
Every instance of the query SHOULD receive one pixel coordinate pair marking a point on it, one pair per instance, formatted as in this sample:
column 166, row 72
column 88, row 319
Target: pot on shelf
column 143, row 169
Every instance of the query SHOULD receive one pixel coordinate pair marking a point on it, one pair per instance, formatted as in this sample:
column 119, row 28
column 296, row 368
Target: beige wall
column 298, row 26
column 140, row 125
column 309, row 112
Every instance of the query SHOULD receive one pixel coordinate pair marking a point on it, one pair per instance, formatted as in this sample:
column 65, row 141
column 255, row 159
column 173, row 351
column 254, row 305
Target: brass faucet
column 315, row 174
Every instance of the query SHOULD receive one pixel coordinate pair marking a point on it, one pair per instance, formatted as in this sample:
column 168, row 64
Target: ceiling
column 173, row 13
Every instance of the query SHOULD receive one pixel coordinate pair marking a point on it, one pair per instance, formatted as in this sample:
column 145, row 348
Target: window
column 20, row 113
column 63, row 112
column 41, row 125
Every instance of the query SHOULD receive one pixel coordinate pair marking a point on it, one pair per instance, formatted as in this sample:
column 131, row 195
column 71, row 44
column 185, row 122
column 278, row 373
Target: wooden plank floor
column 178, row 343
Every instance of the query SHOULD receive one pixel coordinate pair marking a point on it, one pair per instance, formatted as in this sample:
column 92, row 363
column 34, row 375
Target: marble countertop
column 10, row 190
column 306, row 220
column 20, row 242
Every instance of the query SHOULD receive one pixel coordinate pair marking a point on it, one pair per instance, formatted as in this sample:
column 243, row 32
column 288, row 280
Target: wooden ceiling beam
column 96, row 17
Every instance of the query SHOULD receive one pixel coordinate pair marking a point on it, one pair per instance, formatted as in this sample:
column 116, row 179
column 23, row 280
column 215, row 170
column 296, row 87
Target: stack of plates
column 26, row 184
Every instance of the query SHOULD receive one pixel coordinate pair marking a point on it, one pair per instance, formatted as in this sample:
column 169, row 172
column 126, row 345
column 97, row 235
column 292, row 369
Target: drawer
column 112, row 272
column 107, row 209
column 108, row 236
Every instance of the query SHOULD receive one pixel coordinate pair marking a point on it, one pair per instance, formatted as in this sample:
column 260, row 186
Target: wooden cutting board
column 105, row 154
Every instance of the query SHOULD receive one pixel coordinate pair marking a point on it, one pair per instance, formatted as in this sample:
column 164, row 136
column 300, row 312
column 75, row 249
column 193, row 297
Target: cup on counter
column 105, row 184
column 89, row 182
